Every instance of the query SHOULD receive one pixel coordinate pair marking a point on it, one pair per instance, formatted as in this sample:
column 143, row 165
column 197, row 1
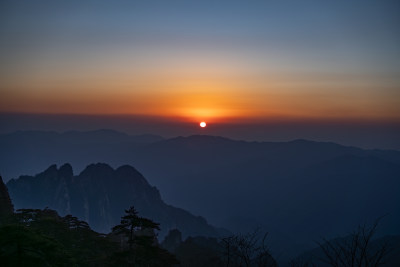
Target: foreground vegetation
column 42, row 238
column 32, row 237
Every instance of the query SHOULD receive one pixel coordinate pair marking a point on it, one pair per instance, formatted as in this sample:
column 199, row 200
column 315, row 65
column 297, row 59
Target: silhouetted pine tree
column 143, row 246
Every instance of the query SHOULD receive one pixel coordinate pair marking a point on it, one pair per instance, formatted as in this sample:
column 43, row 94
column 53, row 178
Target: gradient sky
column 219, row 61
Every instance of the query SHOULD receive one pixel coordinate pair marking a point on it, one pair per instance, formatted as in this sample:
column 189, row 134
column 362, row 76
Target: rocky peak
column 131, row 175
column 98, row 171
column 99, row 195
column 6, row 206
column 65, row 171
column 51, row 170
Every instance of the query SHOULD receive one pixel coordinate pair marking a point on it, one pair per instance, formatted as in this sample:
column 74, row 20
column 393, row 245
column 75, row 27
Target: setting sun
column 203, row 124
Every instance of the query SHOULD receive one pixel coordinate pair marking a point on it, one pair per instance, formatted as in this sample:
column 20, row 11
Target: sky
column 223, row 62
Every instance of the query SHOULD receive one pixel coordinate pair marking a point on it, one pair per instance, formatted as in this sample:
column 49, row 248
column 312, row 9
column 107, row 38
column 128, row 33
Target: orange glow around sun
column 215, row 99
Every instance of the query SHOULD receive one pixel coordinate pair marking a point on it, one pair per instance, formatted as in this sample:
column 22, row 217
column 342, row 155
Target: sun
column 203, row 124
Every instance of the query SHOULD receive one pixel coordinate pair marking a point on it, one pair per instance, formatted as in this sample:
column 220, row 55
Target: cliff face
column 99, row 195
column 6, row 206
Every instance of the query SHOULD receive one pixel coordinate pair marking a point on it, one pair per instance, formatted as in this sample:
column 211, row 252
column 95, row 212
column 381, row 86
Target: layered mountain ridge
column 99, row 195
column 298, row 190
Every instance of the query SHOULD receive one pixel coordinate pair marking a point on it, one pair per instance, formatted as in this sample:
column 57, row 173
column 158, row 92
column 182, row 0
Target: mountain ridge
column 99, row 195
column 117, row 149
column 281, row 186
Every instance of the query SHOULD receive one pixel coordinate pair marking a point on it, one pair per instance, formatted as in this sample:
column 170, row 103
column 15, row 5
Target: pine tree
column 143, row 248
column 132, row 225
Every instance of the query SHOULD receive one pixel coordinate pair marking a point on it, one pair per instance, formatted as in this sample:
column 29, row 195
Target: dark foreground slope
column 6, row 206
column 388, row 247
column 99, row 195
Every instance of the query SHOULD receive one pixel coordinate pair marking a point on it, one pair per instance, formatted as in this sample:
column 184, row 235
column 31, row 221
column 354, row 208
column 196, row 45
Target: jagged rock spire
column 6, row 206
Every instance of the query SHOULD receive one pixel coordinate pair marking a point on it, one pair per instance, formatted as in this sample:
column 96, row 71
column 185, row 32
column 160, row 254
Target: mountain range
column 299, row 190
column 99, row 195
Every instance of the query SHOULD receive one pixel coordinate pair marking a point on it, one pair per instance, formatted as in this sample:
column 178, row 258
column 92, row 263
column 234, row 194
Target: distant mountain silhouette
column 99, row 196
column 36, row 150
column 298, row 190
